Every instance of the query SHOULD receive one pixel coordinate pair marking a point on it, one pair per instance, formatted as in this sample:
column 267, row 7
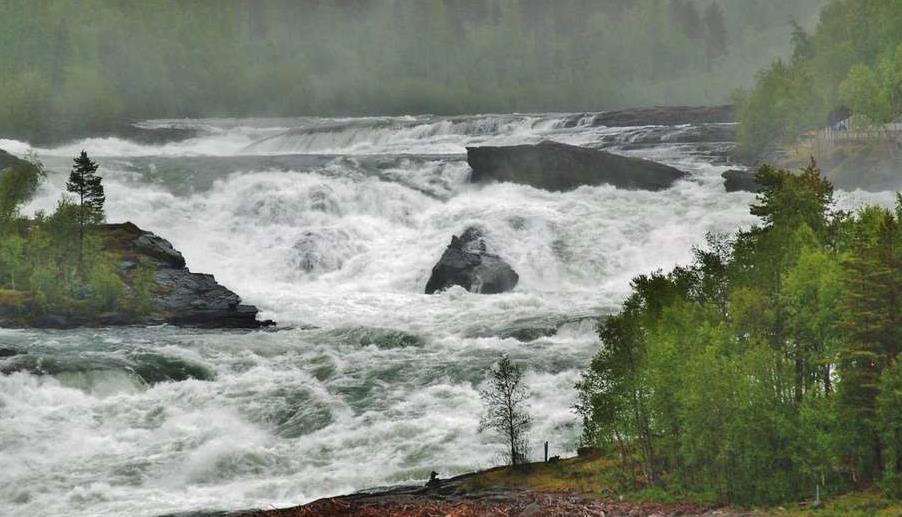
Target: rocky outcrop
column 7, row 160
column 561, row 167
column 740, row 181
column 467, row 263
column 178, row 296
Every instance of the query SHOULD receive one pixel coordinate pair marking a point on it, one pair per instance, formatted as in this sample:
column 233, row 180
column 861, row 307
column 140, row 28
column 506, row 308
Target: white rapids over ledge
column 331, row 227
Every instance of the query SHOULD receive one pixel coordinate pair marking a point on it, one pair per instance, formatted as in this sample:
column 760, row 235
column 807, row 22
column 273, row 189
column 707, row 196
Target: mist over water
column 331, row 227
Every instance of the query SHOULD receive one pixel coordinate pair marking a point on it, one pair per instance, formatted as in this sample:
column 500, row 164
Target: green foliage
column 854, row 59
column 143, row 288
column 106, row 288
column 889, row 418
column 765, row 369
column 17, row 184
column 865, row 96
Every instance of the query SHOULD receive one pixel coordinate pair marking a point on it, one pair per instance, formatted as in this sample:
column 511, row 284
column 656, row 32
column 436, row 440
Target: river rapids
column 331, row 227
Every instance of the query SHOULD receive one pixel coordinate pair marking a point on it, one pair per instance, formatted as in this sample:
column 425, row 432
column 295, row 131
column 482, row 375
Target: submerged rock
column 467, row 263
column 561, row 167
column 740, row 181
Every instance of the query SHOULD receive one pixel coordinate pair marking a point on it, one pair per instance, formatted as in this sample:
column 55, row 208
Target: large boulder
column 740, row 181
column 467, row 263
column 561, row 167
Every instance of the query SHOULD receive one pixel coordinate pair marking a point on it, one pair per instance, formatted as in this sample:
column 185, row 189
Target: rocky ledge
column 180, row 297
column 561, row 167
column 665, row 116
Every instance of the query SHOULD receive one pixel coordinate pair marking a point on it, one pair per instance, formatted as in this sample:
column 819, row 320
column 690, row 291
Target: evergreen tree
column 88, row 186
column 872, row 326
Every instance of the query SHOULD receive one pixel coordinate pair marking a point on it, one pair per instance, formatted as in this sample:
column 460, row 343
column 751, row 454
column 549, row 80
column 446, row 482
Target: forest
column 851, row 63
column 767, row 370
column 74, row 67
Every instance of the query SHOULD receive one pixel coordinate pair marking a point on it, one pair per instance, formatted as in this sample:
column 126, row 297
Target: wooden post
column 546, row 452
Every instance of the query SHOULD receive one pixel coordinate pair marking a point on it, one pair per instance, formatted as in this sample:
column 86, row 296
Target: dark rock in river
column 561, row 167
column 738, row 181
column 467, row 263
column 638, row 138
column 665, row 116
column 151, row 135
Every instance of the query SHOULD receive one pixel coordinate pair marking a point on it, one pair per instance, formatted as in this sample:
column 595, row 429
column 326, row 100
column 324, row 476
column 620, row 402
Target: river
column 331, row 227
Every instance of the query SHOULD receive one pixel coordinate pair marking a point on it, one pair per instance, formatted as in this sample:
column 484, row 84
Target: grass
column 868, row 503
column 591, row 476
column 599, row 476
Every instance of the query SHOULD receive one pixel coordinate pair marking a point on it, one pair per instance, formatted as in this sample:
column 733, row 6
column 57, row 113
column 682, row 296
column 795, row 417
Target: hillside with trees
column 74, row 67
column 851, row 63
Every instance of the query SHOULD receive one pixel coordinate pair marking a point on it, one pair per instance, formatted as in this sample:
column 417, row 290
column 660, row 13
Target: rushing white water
column 373, row 382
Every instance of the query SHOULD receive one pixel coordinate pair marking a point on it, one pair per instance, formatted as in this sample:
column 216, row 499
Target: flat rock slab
column 561, row 167
column 665, row 116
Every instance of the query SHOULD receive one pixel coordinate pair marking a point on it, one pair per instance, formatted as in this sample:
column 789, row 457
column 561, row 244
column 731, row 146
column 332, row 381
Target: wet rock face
column 158, row 249
column 181, row 297
column 740, row 181
column 7, row 160
column 467, row 263
column 560, row 167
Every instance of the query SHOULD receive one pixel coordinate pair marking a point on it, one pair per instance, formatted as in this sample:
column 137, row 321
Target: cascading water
column 331, row 227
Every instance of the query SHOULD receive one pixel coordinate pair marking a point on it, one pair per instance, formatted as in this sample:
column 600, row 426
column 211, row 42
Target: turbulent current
column 331, row 227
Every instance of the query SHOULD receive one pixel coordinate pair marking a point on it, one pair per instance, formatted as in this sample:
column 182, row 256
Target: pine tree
column 87, row 185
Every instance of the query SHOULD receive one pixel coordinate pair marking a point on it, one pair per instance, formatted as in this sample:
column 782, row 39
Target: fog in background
column 70, row 66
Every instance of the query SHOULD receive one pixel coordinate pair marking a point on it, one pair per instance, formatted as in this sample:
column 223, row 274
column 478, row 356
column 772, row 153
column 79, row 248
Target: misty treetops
column 69, row 67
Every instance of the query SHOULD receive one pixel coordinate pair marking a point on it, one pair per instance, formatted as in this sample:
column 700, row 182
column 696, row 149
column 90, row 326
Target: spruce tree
column 871, row 323
column 87, row 185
